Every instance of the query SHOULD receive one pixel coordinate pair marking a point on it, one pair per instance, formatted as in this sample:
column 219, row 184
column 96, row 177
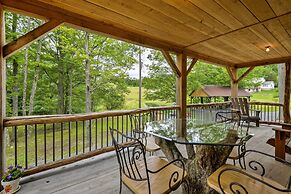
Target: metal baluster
column 15, row 144
column 90, row 135
column 69, row 139
column 62, row 142
column 96, row 131
column 76, row 137
column 107, row 129
column 35, row 143
column 122, row 127
column 83, row 136
column 26, row 146
column 44, row 136
column 112, row 126
column 102, row 132
column 126, row 129
column 54, row 144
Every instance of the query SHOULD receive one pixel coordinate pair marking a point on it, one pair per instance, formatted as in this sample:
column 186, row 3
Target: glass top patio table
column 198, row 133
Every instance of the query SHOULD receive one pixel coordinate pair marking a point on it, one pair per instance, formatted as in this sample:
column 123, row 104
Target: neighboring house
column 268, row 85
column 214, row 92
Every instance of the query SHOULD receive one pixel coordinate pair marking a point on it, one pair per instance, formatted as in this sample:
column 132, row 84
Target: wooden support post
column 286, row 109
column 2, row 91
column 234, row 84
column 182, row 93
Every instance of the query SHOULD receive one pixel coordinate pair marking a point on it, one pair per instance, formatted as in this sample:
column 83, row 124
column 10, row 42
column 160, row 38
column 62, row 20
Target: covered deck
column 232, row 34
column 101, row 174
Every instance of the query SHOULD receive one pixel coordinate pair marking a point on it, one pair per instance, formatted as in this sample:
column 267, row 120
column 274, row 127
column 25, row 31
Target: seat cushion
column 251, row 185
column 159, row 182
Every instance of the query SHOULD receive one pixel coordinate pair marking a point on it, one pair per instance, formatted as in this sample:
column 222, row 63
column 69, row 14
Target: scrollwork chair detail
column 138, row 123
column 141, row 174
column 232, row 120
column 249, row 178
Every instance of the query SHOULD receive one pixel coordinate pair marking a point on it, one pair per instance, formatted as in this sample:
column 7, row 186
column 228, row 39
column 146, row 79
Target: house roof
column 217, row 91
column 231, row 33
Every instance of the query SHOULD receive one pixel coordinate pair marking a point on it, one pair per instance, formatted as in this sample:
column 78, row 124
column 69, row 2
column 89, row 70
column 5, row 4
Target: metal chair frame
column 131, row 154
column 255, row 166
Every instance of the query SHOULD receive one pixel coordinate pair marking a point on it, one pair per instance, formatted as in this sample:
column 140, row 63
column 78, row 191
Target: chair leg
column 120, row 185
column 257, row 123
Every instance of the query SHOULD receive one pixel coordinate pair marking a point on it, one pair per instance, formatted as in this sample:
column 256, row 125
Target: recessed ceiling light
column 267, row 48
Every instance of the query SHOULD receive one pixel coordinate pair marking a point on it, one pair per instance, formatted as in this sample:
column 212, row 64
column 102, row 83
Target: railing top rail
column 48, row 119
column 267, row 103
column 209, row 104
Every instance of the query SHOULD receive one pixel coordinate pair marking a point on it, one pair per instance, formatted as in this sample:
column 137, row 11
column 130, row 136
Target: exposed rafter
column 28, row 38
column 171, row 62
column 193, row 62
column 245, row 74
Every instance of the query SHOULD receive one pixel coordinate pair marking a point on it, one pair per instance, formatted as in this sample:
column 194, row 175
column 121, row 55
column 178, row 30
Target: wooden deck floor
column 100, row 174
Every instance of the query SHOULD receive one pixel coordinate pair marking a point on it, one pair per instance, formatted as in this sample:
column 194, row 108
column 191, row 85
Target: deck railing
column 42, row 142
column 271, row 113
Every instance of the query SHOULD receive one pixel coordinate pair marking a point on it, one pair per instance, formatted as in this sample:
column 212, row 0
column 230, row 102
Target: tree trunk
column 61, row 96
column 88, row 85
column 15, row 89
column 25, row 71
column 70, row 87
column 15, row 72
column 201, row 164
column 35, row 79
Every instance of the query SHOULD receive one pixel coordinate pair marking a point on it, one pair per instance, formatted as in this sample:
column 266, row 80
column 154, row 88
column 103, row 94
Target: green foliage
column 62, row 58
column 160, row 83
column 12, row 173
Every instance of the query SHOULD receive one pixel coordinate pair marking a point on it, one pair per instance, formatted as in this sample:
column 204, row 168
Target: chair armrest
column 256, row 165
column 175, row 175
column 244, row 186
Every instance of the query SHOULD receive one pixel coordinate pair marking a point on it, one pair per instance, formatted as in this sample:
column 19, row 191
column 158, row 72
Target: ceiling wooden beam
column 193, row 62
column 171, row 62
column 12, row 47
column 264, row 62
column 245, row 74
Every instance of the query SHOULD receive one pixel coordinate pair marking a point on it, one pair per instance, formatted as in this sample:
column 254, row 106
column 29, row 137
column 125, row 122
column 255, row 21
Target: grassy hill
column 131, row 100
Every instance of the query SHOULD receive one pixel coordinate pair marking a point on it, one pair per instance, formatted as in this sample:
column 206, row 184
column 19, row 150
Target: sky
column 133, row 73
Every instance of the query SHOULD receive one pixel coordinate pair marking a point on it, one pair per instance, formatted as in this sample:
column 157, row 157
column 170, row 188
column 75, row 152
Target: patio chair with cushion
column 246, row 114
column 138, row 122
column 143, row 174
column 250, row 177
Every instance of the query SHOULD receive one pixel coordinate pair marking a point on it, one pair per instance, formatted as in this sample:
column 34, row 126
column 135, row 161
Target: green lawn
column 266, row 96
column 131, row 100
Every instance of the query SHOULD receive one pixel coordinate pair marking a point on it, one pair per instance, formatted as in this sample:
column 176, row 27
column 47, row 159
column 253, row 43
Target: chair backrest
column 241, row 104
column 232, row 120
column 131, row 157
column 138, row 121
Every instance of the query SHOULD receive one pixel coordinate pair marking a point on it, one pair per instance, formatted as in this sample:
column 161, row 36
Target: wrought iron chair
column 249, row 178
column 146, row 175
column 138, row 122
column 232, row 120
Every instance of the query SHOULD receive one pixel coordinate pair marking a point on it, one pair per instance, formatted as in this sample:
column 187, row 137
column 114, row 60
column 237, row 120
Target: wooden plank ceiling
column 227, row 32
